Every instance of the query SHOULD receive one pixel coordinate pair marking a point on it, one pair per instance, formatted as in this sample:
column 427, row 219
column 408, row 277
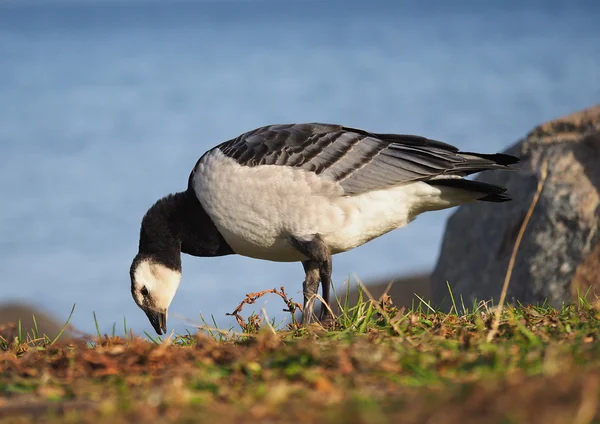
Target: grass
column 379, row 363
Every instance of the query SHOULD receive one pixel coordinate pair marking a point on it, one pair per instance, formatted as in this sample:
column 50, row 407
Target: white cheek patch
column 160, row 281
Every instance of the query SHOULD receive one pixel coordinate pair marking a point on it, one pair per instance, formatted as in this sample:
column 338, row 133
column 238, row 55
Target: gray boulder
column 559, row 255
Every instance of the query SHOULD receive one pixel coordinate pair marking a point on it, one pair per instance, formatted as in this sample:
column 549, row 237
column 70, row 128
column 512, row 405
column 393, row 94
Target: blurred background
column 105, row 106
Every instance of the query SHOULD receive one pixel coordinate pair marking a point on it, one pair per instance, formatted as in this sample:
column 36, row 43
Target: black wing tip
column 498, row 158
column 496, row 198
column 505, row 159
column 490, row 192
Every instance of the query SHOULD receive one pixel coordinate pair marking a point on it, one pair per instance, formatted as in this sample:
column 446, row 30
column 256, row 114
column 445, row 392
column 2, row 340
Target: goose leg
column 325, row 274
column 318, row 267
column 310, row 288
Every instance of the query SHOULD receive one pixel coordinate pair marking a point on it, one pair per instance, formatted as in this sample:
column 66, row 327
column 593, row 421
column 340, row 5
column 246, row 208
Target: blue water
column 106, row 106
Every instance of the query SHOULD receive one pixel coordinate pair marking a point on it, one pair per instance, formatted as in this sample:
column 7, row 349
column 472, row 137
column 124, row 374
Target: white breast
column 257, row 209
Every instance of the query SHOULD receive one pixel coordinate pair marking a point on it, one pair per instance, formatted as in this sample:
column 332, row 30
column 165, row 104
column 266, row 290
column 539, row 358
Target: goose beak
column 158, row 320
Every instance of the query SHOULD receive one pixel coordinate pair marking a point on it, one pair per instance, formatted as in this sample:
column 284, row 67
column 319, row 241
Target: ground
column 379, row 364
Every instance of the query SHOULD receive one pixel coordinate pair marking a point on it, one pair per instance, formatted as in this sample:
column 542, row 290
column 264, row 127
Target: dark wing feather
column 360, row 161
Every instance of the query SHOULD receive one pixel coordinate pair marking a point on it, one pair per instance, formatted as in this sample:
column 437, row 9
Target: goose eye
column 144, row 291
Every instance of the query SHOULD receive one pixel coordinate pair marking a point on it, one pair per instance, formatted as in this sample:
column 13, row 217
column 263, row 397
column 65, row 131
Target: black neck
column 178, row 223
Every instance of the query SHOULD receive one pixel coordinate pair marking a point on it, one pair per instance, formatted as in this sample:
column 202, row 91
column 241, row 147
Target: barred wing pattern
column 360, row 161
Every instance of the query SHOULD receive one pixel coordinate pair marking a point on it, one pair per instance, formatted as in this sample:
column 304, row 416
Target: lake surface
column 106, row 106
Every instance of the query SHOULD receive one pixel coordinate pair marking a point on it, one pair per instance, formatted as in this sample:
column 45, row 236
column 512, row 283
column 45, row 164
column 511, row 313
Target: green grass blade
column 97, row 325
column 125, row 332
column 34, row 330
column 19, row 333
column 156, row 340
column 452, row 298
column 62, row 330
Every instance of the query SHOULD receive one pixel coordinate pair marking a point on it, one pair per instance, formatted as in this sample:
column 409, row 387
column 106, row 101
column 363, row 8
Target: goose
column 300, row 193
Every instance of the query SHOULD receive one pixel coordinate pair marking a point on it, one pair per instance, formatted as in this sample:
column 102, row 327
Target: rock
column 559, row 255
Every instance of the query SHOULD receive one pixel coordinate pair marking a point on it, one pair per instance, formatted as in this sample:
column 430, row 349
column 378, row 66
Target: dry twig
column 254, row 321
column 513, row 256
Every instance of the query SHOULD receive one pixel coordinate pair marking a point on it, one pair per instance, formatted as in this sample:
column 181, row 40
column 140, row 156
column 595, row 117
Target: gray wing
column 360, row 161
